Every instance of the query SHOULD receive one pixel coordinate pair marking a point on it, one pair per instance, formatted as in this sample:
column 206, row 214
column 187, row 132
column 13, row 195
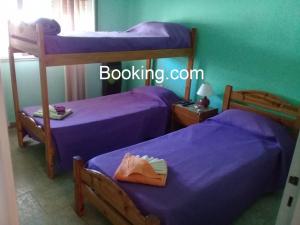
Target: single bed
column 148, row 41
column 144, row 36
column 235, row 158
column 107, row 123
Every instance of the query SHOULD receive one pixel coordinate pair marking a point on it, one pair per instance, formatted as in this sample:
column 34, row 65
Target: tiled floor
column 49, row 202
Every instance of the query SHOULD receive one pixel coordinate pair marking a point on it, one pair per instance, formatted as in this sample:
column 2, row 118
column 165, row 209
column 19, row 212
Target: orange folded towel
column 137, row 170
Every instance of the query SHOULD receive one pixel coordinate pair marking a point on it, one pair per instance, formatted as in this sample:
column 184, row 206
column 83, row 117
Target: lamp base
column 204, row 102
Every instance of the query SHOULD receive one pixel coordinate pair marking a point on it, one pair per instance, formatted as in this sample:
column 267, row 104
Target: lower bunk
column 102, row 124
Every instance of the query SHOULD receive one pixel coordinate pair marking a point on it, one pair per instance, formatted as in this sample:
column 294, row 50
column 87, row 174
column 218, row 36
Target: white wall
column 8, row 208
column 296, row 217
column 286, row 213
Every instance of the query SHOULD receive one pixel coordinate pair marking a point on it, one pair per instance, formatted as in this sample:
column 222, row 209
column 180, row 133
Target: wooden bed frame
column 109, row 198
column 29, row 39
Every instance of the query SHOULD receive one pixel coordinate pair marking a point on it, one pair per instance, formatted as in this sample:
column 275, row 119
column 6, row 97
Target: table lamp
column 205, row 90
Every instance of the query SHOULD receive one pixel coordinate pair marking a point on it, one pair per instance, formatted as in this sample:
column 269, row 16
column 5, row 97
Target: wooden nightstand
column 185, row 116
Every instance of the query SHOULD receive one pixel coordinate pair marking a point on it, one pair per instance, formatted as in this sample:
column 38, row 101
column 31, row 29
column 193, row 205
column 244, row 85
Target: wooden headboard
column 265, row 104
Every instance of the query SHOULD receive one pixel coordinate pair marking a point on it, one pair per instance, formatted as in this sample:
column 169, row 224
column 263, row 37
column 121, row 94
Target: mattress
column 216, row 171
column 144, row 36
column 103, row 124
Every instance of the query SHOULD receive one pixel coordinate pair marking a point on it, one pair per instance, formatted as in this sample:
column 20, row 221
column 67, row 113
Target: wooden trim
column 148, row 67
column 107, row 196
column 190, row 65
column 265, row 100
column 227, row 96
column 78, row 165
column 24, row 46
column 29, row 124
column 265, row 104
column 86, row 58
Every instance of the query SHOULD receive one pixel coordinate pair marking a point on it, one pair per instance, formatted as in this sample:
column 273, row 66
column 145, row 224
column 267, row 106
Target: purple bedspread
column 216, row 171
column 144, row 36
column 103, row 124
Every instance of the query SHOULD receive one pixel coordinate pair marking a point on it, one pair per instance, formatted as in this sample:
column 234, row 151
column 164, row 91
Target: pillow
column 251, row 122
column 176, row 33
column 50, row 26
column 167, row 96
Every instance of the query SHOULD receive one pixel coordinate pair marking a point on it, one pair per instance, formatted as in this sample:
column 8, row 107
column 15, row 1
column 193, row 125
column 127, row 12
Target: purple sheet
column 216, row 171
column 144, row 36
column 103, row 124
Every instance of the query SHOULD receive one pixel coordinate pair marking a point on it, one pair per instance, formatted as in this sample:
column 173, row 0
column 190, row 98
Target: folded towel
column 50, row 26
column 54, row 113
column 61, row 110
column 142, row 170
column 159, row 165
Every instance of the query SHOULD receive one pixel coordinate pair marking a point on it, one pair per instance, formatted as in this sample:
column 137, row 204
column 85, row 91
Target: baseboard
column 12, row 125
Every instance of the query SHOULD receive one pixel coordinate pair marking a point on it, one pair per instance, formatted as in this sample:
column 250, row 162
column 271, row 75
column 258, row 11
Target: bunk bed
column 26, row 38
column 234, row 157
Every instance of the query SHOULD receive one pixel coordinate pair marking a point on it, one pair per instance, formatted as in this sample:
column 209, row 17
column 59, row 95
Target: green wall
column 113, row 14
column 29, row 84
column 250, row 44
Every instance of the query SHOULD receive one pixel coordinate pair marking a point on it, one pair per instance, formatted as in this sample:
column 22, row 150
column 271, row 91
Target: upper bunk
column 147, row 40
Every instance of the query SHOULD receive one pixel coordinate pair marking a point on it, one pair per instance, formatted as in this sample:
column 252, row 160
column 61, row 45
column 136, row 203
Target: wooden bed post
column 297, row 124
column 226, row 99
column 190, row 66
column 152, row 220
column 78, row 165
column 20, row 130
column 148, row 67
column 45, row 104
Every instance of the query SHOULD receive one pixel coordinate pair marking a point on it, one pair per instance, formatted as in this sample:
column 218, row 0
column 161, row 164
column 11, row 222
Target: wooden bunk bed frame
column 29, row 39
column 114, row 203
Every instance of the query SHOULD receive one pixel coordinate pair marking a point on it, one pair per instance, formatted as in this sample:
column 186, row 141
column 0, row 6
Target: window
column 71, row 14
column 17, row 10
column 7, row 9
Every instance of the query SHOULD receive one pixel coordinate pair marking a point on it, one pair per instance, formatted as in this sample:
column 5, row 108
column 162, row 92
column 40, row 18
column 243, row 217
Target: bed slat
column 24, row 46
column 108, row 211
column 265, row 104
column 265, row 101
column 86, row 58
column 29, row 124
column 102, row 186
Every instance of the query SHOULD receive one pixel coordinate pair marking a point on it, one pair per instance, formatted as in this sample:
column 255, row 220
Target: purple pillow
column 50, row 26
column 163, row 94
column 251, row 122
column 173, row 31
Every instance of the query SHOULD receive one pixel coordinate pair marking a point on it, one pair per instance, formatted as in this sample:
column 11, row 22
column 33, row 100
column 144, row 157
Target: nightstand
column 183, row 116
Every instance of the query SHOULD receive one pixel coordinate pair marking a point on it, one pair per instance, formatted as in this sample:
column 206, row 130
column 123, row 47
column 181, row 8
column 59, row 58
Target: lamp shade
column 205, row 90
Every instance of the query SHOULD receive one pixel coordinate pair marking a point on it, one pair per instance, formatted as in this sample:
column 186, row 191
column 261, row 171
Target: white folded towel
column 158, row 165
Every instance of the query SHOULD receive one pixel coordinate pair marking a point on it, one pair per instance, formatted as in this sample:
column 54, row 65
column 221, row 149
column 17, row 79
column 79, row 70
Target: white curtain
column 75, row 15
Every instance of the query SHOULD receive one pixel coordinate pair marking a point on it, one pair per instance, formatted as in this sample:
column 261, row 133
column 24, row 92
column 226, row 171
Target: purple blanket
column 216, row 171
column 103, row 124
column 144, row 36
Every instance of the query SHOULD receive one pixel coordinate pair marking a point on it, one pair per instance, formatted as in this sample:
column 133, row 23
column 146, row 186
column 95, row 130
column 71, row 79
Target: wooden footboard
column 32, row 127
column 107, row 197
column 27, row 123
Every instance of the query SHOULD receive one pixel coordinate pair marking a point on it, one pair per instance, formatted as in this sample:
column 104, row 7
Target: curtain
column 75, row 15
